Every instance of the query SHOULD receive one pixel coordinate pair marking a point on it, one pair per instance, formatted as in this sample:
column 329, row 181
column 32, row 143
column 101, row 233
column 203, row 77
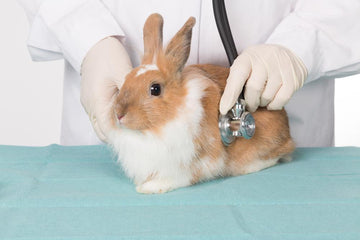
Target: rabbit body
column 165, row 124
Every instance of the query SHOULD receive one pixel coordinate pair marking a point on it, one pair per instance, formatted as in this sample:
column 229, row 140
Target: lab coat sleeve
column 67, row 28
column 325, row 34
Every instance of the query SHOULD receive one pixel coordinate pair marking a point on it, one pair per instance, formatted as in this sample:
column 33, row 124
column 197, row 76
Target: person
column 290, row 53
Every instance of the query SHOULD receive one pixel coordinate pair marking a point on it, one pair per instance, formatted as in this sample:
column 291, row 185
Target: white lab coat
column 325, row 34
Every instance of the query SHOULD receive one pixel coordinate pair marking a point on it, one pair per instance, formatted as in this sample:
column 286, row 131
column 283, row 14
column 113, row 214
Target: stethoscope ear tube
column 223, row 27
column 222, row 24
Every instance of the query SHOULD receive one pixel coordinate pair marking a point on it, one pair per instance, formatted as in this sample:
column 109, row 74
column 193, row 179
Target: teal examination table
column 63, row 193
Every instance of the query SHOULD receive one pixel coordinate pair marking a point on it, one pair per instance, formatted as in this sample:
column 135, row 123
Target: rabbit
column 164, row 126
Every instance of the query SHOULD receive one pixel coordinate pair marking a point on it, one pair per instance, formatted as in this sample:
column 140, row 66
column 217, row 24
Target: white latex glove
column 102, row 73
column 271, row 74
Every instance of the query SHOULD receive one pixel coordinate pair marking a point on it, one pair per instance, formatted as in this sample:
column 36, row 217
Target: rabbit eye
column 155, row 89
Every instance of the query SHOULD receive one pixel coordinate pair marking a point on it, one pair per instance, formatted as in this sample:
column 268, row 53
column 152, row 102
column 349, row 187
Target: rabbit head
column 152, row 92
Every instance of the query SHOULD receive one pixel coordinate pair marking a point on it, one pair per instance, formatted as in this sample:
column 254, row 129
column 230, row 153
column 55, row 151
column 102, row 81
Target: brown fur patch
column 271, row 140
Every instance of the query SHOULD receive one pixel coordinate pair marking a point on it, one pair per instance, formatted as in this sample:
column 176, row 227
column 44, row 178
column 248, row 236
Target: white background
column 31, row 93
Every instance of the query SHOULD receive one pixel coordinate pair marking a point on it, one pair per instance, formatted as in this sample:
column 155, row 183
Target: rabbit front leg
column 163, row 184
column 155, row 186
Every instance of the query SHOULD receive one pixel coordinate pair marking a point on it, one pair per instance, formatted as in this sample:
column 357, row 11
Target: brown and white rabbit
column 165, row 127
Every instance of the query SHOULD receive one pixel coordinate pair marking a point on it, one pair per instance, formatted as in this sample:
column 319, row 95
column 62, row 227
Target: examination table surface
column 63, row 193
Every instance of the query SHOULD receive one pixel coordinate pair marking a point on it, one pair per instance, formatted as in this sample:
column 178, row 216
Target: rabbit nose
column 119, row 116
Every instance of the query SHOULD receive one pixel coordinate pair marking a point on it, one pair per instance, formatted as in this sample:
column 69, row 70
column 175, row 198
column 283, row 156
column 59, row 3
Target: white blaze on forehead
column 146, row 68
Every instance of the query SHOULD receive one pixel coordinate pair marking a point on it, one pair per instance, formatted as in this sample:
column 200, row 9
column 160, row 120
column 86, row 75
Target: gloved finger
column 239, row 73
column 97, row 129
column 281, row 98
column 287, row 89
column 255, row 85
column 271, row 88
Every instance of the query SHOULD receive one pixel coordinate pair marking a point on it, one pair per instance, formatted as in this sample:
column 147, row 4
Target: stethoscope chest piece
column 236, row 123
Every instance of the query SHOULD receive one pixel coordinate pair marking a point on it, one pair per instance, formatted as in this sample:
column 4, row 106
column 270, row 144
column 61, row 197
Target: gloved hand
column 271, row 74
column 103, row 72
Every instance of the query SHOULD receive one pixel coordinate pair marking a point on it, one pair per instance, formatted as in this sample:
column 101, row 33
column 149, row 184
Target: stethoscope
column 237, row 122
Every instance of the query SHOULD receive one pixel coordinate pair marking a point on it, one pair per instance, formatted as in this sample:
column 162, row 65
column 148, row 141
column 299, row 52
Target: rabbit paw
column 154, row 186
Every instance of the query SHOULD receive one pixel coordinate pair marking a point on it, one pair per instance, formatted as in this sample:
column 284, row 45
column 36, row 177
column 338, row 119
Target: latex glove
column 271, row 74
column 102, row 73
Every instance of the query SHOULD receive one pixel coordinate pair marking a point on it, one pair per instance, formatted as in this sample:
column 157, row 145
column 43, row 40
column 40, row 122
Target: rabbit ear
column 153, row 38
column 178, row 50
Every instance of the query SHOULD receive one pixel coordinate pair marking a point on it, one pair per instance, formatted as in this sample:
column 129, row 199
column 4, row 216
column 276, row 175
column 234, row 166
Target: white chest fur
column 168, row 154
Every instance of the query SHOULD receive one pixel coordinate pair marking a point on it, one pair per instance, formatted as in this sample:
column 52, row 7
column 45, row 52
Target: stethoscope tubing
column 222, row 24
